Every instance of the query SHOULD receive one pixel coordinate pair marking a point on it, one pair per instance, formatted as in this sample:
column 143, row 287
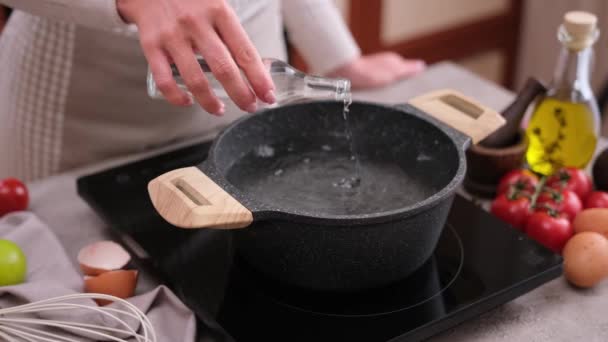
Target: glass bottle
column 564, row 127
column 291, row 85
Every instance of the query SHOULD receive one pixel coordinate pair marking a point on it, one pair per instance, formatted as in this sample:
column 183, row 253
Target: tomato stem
column 537, row 191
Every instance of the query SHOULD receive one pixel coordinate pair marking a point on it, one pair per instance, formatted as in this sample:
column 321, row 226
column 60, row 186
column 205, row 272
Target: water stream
column 354, row 180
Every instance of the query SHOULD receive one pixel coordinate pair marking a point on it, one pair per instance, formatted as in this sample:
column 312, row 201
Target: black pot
column 389, row 231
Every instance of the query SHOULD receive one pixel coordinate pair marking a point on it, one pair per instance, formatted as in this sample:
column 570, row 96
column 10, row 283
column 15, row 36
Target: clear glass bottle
column 291, row 85
column 564, row 127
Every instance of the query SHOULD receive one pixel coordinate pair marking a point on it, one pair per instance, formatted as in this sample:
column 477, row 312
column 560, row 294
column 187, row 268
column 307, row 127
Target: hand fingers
column 411, row 67
column 190, row 70
column 226, row 52
column 383, row 69
column 225, row 70
column 396, row 63
column 163, row 77
column 246, row 56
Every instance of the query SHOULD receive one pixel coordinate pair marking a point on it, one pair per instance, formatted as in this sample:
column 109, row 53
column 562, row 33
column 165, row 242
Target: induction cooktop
column 479, row 263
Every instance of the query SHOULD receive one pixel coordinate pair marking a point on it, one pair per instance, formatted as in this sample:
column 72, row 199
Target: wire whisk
column 27, row 323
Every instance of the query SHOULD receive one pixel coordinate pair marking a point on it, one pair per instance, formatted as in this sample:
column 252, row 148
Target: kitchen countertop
column 553, row 312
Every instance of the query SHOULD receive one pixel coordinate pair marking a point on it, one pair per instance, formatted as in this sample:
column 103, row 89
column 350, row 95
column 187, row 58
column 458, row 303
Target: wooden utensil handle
column 460, row 112
column 188, row 198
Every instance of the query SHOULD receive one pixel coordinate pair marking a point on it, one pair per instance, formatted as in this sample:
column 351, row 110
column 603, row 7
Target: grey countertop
column 553, row 312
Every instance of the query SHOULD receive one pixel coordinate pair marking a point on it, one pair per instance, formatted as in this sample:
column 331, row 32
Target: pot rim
column 263, row 211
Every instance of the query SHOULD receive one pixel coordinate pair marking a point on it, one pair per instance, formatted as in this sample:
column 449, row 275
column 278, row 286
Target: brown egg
column 586, row 259
column 592, row 220
column 119, row 283
column 102, row 256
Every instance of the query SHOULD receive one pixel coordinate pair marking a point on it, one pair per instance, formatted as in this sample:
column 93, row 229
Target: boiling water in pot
column 323, row 179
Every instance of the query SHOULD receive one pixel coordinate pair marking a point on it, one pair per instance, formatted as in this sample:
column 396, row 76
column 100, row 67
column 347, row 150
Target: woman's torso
column 73, row 95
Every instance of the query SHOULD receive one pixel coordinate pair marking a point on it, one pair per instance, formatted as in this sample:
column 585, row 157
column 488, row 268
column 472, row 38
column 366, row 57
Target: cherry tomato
column 518, row 180
column 550, row 231
column 565, row 202
column 514, row 211
column 572, row 179
column 597, row 199
column 13, row 196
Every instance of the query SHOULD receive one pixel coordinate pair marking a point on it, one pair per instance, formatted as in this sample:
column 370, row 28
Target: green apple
column 13, row 264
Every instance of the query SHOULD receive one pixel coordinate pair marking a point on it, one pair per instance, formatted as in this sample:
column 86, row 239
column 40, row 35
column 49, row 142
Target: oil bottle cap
column 581, row 28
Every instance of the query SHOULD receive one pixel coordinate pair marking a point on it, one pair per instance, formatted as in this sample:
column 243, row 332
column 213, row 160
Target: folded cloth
column 51, row 274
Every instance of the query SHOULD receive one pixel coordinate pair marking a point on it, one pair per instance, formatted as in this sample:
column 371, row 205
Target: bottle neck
column 332, row 88
column 571, row 79
column 573, row 70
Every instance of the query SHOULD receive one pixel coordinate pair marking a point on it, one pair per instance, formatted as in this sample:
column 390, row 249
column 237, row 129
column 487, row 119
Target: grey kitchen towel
column 51, row 274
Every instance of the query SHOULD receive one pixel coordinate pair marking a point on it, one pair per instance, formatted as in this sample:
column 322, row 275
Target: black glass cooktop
column 478, row 264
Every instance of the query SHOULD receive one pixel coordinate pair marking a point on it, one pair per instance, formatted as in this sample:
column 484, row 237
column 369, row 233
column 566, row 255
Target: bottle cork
column 581, row 28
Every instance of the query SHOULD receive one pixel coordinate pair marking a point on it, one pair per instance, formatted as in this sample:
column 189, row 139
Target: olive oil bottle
column 564, row 127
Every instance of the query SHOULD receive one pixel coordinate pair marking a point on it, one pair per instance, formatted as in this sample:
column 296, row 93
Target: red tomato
column 519, row 180
column 597, row 199
column 514, row 211
column 550, row 231
column 572, row 179
column 13, row 196
column 565, row 202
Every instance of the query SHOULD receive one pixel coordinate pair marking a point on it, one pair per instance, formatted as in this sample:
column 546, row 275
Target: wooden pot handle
column 188, row 198
column 460, row 112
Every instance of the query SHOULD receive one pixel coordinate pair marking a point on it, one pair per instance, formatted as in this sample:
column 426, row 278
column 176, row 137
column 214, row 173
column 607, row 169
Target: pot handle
column 460, row 112
column 188, row 198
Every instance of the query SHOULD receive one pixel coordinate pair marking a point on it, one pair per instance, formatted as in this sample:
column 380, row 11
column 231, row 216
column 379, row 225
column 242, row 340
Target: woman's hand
column 378, row 70
column 175, row 30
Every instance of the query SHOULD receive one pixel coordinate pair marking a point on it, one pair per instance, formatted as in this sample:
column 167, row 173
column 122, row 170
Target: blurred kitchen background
column 501, row 40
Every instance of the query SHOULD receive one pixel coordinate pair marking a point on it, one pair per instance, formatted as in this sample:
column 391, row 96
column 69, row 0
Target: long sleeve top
column 72, row 79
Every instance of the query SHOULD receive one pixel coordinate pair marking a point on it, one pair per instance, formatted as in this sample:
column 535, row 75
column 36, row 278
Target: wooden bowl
column 487, row 165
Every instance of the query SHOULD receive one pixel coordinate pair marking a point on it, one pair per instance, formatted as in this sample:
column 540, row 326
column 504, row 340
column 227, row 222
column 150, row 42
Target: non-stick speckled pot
column 311, row 248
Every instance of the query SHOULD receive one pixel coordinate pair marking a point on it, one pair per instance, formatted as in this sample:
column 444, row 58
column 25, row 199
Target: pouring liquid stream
column 353, row 181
